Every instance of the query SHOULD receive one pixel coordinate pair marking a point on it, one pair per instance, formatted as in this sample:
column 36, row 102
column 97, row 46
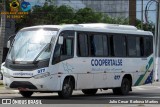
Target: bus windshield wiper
column 49, row 44
column 35, row 60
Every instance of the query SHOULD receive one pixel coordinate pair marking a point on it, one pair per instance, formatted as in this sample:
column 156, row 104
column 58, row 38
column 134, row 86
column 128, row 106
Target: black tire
column 124, row 89
column 116, row 91
column 89, row 91
column 1, row 76
column 26, row 94
column 67, row 89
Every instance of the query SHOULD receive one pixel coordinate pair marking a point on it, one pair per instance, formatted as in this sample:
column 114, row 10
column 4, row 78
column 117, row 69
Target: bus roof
column 97, row 27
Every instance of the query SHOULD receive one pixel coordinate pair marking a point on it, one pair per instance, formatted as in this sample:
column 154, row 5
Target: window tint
column 82, row 45
column 65, row 51
column 148, row 46
column 119, row 46
column 105, row 46
column 98, row 45
column 142, row 46
column 67, row 47
column 138, row 46
column 131, row 46
column 115, row 45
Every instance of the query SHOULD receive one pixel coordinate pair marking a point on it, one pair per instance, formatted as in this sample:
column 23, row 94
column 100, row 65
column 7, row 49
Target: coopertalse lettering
column 106, row 62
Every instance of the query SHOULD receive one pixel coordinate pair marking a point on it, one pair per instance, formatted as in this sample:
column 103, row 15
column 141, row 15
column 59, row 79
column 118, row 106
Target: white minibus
column 87, row 57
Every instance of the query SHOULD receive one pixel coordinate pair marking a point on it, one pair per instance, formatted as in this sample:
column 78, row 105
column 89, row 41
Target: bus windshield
column 31, row 45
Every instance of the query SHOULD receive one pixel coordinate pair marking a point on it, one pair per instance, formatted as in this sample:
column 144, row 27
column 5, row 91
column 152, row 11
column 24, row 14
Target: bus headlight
column 41, row 75
column 5, row 74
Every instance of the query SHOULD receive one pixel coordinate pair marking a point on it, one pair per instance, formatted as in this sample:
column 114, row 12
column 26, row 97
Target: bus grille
column 22, row 84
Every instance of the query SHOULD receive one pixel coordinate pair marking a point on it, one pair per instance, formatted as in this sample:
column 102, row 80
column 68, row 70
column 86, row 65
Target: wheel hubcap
column 67, row 89
column 125, row 87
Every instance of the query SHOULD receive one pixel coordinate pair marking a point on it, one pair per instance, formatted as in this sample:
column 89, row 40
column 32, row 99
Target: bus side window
column 92, row 46
column 98, row 45
column 138, row 46
column 56, row 56
column 131, row 41
column 119, row 44
column 82, row 46
column 66, row 50
column 148, row 46
column 142, row 46
column 111, row 46
column 67, row 47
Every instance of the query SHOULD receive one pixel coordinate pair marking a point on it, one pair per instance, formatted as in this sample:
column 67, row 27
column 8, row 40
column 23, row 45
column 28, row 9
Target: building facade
column 114, row 8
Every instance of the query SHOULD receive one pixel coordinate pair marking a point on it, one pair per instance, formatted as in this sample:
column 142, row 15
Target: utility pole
column 132, row 12
column 2, row 29
column 157, row 44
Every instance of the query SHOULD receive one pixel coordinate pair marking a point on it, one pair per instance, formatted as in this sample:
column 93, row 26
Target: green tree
column 146, row 26
column 87, row 15
column 46, row 15
column 119, row 20
column 66, row 15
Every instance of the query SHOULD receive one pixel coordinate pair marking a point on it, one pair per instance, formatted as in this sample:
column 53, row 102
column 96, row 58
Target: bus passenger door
column 85, row 76
column 83, row 70
column 63, row 55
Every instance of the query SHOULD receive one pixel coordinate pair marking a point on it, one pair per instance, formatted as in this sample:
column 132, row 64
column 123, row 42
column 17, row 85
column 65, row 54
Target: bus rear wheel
column 67, row 89
column 89, row 91
column 124, row 89
column 26, row 94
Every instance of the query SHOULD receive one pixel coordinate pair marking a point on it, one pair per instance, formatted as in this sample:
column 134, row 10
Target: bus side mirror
column 60, row 40
column 8, row 44
column 10, row 40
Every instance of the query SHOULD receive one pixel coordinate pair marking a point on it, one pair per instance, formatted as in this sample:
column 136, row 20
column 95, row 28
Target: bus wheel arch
column 72, row 79
column 129, row 77
column 125, row 87
column 67, row 87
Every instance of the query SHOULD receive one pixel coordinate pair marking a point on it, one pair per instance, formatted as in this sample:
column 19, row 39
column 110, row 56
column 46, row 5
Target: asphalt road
column 140, row 93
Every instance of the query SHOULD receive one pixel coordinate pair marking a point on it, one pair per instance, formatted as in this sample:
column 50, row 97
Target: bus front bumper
column 50, row 83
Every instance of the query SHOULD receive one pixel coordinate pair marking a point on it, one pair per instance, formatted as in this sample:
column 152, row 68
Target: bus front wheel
column 89, row 91
column 67, row 89
column 124, row 89
column 26, row 93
